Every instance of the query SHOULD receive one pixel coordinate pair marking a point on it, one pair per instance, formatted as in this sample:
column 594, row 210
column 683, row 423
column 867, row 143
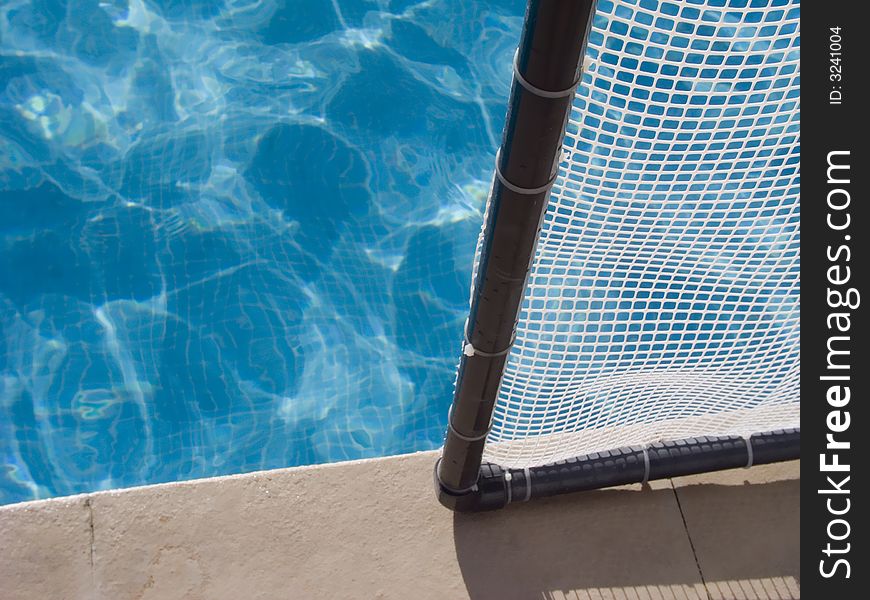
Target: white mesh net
column 663, row 301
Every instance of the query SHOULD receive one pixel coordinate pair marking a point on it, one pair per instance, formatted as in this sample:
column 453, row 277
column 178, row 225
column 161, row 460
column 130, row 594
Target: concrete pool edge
column 198, row 480
column 372, row 528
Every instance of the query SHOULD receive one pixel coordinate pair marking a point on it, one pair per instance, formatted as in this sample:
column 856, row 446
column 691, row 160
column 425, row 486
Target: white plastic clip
column 536, row 90
column 645, row 465
column 469, row 350
column 517, row 189
column 462, row 436
column 750, row 456
column 528, row 475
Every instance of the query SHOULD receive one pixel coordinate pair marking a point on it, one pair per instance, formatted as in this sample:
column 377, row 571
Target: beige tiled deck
column 372, row 529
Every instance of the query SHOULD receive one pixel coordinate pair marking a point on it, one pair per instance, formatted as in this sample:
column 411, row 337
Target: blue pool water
column 236, row 234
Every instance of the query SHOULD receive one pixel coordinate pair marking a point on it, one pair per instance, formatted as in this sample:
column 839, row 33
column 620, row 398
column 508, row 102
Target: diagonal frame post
column 547, row 69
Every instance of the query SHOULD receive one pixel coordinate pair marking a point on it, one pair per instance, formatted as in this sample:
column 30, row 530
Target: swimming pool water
column 236, row 234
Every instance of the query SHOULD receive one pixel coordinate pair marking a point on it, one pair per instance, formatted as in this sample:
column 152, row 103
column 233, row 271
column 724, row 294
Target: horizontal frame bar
column 497, row 487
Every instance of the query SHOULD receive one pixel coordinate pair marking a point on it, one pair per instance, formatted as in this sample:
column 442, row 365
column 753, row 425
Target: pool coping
column 372, row 528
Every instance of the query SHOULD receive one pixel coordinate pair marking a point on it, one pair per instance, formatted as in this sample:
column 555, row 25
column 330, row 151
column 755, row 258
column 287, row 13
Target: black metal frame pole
column 547, row 68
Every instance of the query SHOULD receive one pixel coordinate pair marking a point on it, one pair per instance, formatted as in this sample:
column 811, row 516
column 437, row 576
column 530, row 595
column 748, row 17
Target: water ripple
column 238, row 234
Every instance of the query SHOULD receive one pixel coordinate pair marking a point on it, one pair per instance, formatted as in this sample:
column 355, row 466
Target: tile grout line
column 689, row 537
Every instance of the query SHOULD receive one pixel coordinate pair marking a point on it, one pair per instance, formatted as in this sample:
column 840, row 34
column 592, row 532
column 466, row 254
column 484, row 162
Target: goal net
column 663, row 300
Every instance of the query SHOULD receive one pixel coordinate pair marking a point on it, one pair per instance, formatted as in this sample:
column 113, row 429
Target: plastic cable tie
column 518, row 189
column 469, row 350
column 528, row 475
column 538, row 91
column 462, row 436
column 645, row 465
